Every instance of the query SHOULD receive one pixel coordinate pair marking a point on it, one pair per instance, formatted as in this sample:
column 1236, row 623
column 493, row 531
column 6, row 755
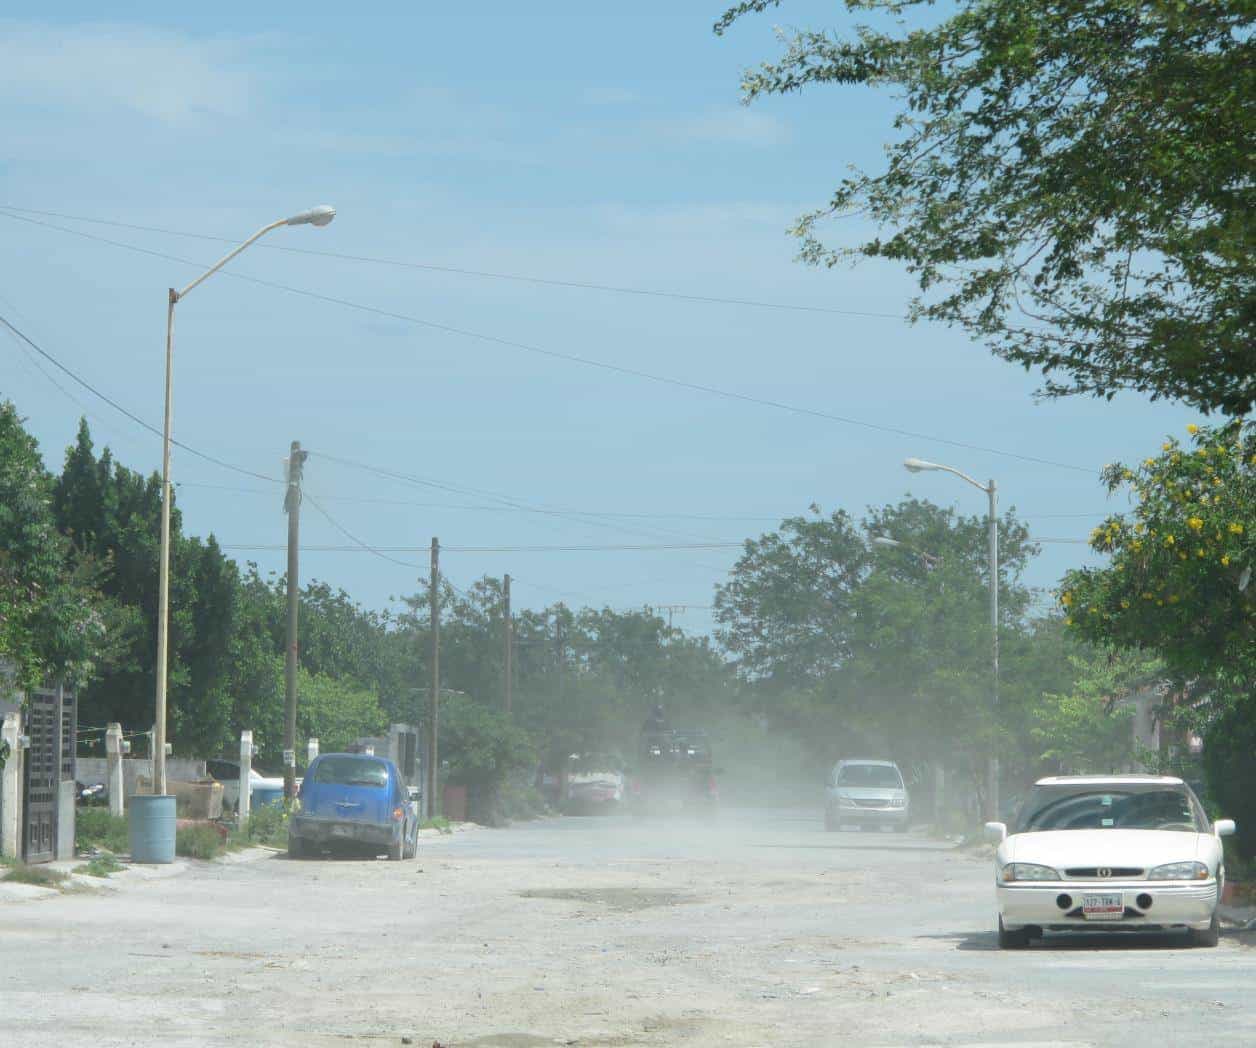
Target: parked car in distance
column 1109, row 853
column 354, row 801
column 866, row 793
column 228, row 773
column 594, row 783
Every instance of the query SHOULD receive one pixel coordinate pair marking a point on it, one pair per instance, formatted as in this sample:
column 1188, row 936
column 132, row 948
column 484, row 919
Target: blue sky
column 548, row 141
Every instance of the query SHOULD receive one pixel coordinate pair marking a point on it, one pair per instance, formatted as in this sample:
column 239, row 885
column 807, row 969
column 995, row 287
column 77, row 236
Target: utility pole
column 433, row 714
column 559, row 651
column 510, row 641
column 292, row 506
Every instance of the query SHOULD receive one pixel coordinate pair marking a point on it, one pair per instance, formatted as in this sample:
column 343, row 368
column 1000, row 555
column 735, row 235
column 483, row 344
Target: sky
column 550, row 142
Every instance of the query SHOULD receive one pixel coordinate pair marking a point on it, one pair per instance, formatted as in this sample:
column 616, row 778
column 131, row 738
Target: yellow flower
column 1068, row 621
column 1195, row 523
column 1181, row 556
column 1225, row 560
column 1200, row 553
column 1066, row 599
column 1149, row 462
column 1192, row 429
column 1136, row 545
column 1235, row 529
column 1169, row 539
column 1174, row 599
column 1125, row 604
column 1166, row 447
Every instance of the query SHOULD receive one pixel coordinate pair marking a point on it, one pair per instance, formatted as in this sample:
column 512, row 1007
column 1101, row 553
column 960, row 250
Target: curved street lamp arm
column 229, row 256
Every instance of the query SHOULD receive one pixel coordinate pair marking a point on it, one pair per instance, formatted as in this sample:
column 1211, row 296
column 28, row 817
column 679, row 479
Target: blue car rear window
column 351, row 771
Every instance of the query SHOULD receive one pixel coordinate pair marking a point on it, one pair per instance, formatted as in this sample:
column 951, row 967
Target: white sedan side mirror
column 1223, row 827
column 996, row 832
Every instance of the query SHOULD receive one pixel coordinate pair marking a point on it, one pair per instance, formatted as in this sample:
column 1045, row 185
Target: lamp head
column 916, row 465
column 315, row 216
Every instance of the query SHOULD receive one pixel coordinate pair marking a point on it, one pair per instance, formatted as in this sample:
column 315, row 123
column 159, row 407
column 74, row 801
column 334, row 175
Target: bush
column 1231, row 774
column 269, row 825
column 96, row 828
column 198, row 842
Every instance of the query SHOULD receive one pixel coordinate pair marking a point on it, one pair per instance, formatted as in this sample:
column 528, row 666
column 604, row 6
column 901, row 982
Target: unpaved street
column 759, row 930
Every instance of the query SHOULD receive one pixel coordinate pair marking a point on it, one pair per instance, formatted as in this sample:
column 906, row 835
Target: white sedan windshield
column 1115, row 807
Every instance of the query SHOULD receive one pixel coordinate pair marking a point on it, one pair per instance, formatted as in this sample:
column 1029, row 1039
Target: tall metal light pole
column 916, row 465
column 317, row 216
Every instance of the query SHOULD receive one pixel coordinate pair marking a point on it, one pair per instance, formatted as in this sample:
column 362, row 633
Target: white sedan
column 1112, row 853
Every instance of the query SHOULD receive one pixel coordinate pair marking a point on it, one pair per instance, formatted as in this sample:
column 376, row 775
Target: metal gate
column 51, row 725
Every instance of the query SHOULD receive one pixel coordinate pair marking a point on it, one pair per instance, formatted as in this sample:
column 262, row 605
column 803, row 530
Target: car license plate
column 341, row 831
column 1107, row 907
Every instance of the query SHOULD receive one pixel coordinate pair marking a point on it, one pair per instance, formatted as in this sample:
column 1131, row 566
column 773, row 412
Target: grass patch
column 437, row 823
column 198, row 842
column 37, row 875
column 101, row 866
column 96, row 828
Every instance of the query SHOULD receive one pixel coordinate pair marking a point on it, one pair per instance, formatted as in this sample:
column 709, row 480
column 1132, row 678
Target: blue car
column 353, row 801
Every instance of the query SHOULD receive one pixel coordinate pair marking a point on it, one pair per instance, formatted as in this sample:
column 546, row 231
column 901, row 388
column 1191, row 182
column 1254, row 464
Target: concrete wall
column 65, row 821
column 11, row 789
column 92, row 770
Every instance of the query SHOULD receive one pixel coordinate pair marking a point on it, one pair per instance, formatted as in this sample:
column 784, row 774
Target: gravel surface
column 760, row 929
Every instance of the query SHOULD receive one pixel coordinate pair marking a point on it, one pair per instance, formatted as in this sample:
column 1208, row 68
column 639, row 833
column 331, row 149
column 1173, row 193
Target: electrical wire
column 129, row 414
column 457, row 271
column 573, row 358
column 358, row 543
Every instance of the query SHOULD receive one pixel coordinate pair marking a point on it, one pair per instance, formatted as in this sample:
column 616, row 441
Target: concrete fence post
column 115, row 783
column 11, row 787
column 246, row 769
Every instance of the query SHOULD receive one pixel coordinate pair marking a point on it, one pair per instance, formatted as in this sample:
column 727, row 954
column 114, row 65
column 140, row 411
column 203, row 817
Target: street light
column 315, row 216
column 916, row 465
column 885, row 542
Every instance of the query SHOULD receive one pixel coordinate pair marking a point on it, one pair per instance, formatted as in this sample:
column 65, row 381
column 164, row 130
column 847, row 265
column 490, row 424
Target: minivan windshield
column 351, row 771
column 881, row 776
column 1116, row 807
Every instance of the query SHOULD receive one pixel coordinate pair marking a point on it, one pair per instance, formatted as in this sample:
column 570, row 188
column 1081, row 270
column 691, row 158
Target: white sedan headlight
column 1028, row 871
column 846, row 802
column 1180, row 871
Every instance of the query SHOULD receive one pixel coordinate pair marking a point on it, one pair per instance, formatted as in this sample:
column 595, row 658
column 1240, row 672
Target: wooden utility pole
column 433, row 713
column 510, row 641
column 561, row 655
column 292, row 506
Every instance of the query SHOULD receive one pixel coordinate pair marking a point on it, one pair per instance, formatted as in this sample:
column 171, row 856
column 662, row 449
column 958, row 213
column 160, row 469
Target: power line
column 716, row 517
column 573, row 358
column 129, row 414
column 457, row 271
column 358, row 543
column 381, row 551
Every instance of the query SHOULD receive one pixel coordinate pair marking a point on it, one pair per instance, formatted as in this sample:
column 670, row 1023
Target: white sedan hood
column 1073, row 848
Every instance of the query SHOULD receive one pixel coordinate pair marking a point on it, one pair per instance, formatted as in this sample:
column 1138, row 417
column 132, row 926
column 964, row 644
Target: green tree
column 1070, row 180
column 1180, row 564
column 1177, row 585
column 50, row 621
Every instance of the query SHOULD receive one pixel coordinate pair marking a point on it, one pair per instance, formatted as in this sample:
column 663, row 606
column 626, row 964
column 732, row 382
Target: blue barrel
column 150, row 822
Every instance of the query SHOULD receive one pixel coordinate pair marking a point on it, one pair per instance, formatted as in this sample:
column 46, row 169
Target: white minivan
column 866, row 793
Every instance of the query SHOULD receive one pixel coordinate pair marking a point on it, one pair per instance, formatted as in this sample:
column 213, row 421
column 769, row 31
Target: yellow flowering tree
column 1179, row 578
column 1179, row 582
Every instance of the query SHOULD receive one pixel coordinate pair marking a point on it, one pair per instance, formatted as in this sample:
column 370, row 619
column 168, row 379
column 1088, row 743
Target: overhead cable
column 573, row 358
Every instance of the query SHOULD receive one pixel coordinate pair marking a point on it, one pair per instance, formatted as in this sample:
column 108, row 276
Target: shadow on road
column 1076, row 941
column 890, row 845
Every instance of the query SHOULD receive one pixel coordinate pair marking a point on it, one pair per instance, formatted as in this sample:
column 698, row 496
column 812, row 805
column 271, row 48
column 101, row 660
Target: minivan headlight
column 1179, row 871
column 1028, row 871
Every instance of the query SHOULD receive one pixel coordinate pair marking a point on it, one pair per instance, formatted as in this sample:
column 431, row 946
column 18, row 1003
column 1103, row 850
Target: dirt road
column 759, row 930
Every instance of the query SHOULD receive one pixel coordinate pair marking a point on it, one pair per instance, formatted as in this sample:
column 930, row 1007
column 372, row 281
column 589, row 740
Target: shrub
column 95, row 827
column 198, row 842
